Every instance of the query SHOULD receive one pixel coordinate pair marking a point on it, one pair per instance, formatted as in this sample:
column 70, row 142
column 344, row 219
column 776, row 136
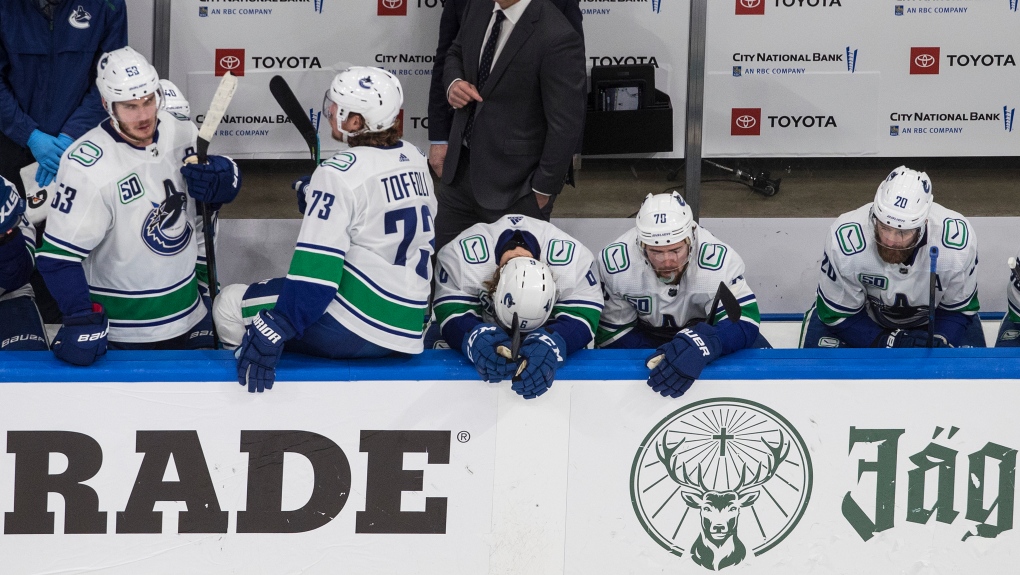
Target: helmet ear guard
column 526, row 287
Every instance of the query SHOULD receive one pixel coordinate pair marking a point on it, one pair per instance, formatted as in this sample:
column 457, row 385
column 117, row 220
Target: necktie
column 484, row 66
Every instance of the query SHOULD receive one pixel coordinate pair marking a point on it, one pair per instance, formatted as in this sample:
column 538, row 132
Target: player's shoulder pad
column 616, row 257
column 848, row 234
column 953, row 230
column 342, row 162
column 87, row 151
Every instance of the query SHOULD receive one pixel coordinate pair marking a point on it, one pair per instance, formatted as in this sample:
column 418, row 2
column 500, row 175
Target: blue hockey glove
column 47, row 149
column 480, row 349
column 201, row 336
column 82, row 338
column 904, row 338
column 299, row 189
column 11, row 207
column 544, row 352
column 684, row 357
column 260, row 350
column 216, row 182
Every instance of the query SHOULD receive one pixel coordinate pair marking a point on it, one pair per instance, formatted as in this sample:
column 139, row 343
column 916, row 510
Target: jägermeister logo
column 710, row 462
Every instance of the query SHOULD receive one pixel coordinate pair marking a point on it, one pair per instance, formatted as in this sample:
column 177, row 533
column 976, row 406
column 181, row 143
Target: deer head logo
column 708, row 463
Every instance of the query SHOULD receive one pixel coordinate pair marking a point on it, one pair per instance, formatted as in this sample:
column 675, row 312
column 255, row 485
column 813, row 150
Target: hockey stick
column 221, row 99
column 513, row 353
column 730, row 304
column 292, row 107
column 934, row 254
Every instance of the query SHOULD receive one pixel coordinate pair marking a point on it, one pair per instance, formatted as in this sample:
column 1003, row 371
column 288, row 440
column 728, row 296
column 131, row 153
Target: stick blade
column 285, row 97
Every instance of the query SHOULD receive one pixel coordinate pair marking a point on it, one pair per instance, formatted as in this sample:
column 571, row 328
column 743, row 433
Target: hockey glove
column 82, row 338
column 201, row 336
column 11, row 208
column 215, row 183
column 904, row 338
column 480, row 349
column 299, row 186
column 260, row 350
column 544, row 352
column 684, row 357
column 46, row 150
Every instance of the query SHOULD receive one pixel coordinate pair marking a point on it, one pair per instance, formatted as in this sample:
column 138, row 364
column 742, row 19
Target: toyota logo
column 230, row 62
column 750, row 3
column 746, row 122
column 394, row 4
column 925, row 60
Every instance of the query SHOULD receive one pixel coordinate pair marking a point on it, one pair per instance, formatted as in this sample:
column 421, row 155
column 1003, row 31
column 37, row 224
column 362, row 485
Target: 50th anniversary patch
column 712, row 462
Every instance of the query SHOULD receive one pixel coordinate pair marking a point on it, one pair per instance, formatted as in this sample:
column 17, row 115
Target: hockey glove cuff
column 260, row 350
column 684, row 358
column 545, row 351
column 215, row 182
column 904, row 338
column 82, row 338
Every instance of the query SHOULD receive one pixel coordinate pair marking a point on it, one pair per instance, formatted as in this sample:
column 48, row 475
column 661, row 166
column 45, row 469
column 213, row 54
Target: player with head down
column 123, row 254
column 359, row 279
column 876, row 273
column 21, row 327
column 657, row 297
column 1009, row 327
column 517, row 266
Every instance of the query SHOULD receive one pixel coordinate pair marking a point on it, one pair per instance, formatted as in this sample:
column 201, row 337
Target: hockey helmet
column 664, row 219
column 526, row 287
column 123, row 75
column 373, row 93
column 903, row 200
column 176, row 103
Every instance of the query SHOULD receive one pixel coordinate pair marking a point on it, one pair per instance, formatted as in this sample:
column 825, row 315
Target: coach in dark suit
column 440, row 112
column 519, row 97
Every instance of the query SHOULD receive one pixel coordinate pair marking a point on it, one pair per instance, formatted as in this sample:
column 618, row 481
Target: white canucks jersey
column 368, row 232
column 1013, row 295
column 854, row 276
column 634, row 295
column 124, row 213
column 468, row 262
column 28, row 232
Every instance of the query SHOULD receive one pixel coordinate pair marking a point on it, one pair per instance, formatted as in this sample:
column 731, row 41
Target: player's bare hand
column 437, row 156
column 462, row 93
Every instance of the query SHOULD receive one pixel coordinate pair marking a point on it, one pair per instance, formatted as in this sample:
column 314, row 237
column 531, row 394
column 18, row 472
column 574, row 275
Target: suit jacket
column 440, row 112
column 527, row 126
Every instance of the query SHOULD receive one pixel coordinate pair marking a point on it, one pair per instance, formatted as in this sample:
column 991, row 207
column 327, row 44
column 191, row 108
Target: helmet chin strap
column 674, row 277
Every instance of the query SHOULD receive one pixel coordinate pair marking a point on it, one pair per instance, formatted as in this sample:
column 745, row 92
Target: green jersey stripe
column 59, row 253
column 372, row 304
column 324, row 267
column 249, row 311
column 150, row 307
column 588, row 315
column 605, row 335
column 445, row 311
column 828, row 315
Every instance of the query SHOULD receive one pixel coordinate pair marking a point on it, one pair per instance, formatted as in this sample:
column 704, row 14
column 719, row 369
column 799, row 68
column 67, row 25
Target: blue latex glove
column 544, row 352
column 47, row 149
column 480, row 349
column 260, row 350
column 215, row 182
column 904, row 338
column 684, row 357
column 82, row 338
column 201, row 336
column 299, row 188
column 11, row 207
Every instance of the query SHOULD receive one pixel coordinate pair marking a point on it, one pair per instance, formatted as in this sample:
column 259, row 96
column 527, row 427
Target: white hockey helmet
column 904, row 199
column 526, row 287
column 373, row 93
column 664, row 219
column 124, row 75
column 176, row 103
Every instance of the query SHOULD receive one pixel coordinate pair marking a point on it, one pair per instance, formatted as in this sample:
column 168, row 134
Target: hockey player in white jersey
column 873, row 289
column 660, row 279
column 523, row 266
column 359, row 279
column 122, row 252
column 21, row 327
column 1009, row 327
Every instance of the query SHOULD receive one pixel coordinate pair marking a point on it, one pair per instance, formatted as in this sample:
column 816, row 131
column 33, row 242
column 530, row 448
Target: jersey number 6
column 409, row 216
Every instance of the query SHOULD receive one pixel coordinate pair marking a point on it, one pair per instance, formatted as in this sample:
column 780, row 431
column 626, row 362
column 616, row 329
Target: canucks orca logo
column 508, row 300
column 365, row 82
column 80, row 18
column 166, row 229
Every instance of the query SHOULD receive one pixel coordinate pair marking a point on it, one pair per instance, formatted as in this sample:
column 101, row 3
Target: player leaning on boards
column 876, row 270
column 121, row 253
column 21, row 327
column 1009, row 328
column 517, row 265
column 655, row 297
column 358, row 283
